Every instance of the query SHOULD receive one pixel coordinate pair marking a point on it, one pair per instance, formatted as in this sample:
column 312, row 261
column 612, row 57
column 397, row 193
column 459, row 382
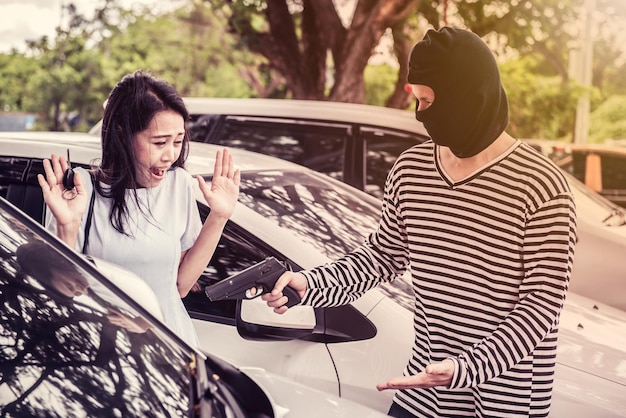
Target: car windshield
column 321, row 213
column 332, row 217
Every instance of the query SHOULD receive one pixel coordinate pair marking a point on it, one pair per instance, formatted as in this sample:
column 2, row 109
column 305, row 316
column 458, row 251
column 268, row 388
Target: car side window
column 200, row 127
column 602, row 172
column 235, row 252
column 383, row 147
column 19, row 185
column 317, row 145
column 12, row 170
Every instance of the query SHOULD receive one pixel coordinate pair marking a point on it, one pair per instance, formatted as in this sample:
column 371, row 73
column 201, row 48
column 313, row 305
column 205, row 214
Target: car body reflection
column 304, row 202
column 61, row 338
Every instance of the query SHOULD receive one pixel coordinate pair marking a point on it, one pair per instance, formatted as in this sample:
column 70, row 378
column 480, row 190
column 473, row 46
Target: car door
column 305, row 360
column 73, row 343
column 381, row 147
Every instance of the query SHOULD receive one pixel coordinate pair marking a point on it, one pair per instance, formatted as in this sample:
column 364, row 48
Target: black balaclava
column 470, row 109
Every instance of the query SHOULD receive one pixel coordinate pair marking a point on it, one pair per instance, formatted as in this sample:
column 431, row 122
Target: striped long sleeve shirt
column 490, row 259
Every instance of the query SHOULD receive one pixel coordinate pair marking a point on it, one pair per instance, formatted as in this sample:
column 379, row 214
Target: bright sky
column 31, row 19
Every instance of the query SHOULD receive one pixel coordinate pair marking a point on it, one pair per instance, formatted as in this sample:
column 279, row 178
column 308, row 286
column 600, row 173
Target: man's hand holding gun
column 279, row 287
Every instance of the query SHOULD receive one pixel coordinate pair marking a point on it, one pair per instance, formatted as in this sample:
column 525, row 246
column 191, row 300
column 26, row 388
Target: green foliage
column 379, row 83
column 190, row 48
column 608, row 121
column 54, row 79
column 15, row 75
column 539, row 106
column 201, row 52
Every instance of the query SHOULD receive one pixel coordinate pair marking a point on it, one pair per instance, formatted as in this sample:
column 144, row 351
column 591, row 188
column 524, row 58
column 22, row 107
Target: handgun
column 261, row 276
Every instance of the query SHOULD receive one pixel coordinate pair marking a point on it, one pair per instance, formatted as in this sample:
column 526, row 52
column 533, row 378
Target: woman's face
column 158, row 147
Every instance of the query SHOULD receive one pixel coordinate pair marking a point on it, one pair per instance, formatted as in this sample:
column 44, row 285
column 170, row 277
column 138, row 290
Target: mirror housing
column 257, row 321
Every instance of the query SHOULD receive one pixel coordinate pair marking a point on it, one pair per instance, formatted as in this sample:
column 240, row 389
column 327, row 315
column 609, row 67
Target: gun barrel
column 261, row 276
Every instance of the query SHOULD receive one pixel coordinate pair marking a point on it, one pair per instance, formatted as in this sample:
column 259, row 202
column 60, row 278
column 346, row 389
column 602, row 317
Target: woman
column 144, row 215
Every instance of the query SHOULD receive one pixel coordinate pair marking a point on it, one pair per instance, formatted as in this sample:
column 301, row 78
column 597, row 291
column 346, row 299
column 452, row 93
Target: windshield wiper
column 617, row 214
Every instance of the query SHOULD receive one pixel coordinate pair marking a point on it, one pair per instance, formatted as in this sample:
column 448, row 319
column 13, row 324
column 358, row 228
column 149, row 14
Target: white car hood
column 291, row 399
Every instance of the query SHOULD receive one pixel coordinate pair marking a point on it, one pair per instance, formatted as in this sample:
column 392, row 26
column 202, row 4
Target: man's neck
column 459, row 168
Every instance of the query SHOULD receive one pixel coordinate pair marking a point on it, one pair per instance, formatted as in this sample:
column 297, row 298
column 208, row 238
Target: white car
column 305, row 219
column 75, row 344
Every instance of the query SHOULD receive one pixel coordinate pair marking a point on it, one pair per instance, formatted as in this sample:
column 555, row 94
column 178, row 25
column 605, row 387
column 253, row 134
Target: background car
column 74, row 343
column 305, row 219
column 354, row 143
column 601, row 167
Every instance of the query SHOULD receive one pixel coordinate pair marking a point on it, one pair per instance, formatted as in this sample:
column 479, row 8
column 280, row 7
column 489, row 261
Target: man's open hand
column 436, row 374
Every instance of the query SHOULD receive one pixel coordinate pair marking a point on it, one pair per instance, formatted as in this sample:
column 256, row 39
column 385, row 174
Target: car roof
column 73, row 138
column 310, row 110
column 339, row 112
column 599, row 148
column 84, row 148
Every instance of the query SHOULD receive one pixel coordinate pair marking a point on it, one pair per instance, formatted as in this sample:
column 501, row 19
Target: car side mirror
column 257, row 321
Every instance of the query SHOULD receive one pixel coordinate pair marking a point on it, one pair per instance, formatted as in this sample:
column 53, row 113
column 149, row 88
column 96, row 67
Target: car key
column 68, row 181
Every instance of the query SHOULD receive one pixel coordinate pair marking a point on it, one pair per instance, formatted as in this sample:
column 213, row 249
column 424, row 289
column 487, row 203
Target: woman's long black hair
column 131, row 105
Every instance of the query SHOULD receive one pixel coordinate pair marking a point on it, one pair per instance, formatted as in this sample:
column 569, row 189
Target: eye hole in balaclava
column 470, row 109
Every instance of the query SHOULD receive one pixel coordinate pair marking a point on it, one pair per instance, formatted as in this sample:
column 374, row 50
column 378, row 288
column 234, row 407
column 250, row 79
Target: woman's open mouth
column 158, row 173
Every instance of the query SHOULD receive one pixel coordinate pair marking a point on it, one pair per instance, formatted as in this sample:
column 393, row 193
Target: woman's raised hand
column 67, row 206
column 223, row 192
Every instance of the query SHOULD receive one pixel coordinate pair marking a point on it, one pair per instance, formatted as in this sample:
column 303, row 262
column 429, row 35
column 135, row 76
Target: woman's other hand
column 67, row 206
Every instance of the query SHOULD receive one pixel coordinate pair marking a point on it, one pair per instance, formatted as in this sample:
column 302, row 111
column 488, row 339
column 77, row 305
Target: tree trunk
column 371, row 19
column 401, row 98
column 300, row 54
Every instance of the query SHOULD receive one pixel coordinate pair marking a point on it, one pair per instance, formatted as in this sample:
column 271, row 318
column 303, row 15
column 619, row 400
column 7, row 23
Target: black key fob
column 68, row 176
column 68, row 179
column 70, row 191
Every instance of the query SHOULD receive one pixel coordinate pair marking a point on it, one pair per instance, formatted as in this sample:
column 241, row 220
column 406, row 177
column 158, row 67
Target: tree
column 322, row 54
column 607, row 121
column 308, row 43
column 312, row 49
column 15, row 73
column 541, row 106
column 54, row 78
column 191, row 48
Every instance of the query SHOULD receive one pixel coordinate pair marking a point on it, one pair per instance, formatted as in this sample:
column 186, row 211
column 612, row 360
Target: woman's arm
column 221, row 196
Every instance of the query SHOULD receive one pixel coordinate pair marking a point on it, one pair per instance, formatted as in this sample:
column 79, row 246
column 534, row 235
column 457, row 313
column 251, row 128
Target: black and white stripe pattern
column 490, row 258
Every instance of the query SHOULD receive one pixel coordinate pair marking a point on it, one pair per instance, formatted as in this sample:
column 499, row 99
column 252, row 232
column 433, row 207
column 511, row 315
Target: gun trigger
column 250, row 295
